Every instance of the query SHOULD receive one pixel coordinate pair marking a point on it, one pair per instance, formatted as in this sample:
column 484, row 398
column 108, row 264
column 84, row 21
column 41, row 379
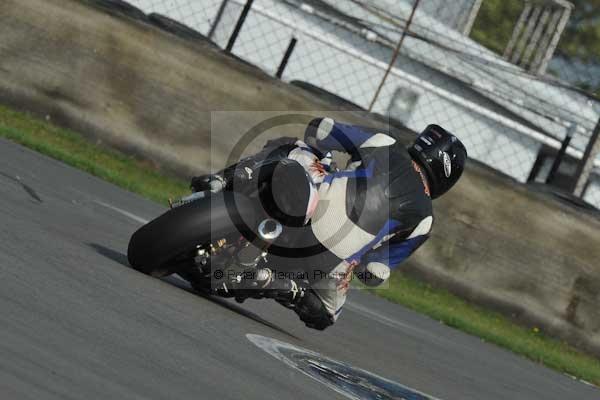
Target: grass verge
column 491, row 327
column 73, row 149
column 140, row 177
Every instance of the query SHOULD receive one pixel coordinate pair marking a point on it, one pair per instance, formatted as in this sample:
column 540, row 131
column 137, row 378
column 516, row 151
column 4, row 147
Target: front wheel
column 155, row 248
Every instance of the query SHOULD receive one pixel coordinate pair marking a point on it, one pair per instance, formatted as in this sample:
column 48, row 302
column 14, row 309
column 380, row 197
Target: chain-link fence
column 495, row 73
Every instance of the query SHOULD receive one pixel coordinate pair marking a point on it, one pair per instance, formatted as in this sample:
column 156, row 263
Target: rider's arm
column 327, row 135
column 375, row 265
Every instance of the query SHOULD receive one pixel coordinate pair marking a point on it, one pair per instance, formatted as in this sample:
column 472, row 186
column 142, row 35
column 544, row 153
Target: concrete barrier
column 129, row 83
column 132, row 85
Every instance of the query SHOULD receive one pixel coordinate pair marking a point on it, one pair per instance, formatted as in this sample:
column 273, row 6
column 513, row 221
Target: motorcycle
column 216, row 240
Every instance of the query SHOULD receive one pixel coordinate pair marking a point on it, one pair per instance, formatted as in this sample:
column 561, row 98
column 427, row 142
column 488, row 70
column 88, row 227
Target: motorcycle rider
column 364, row 220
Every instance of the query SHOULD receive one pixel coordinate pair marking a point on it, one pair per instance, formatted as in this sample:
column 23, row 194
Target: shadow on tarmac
column 121, row 258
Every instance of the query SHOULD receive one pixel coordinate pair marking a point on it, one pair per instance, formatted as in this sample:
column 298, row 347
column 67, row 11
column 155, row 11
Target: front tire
column 154, row 248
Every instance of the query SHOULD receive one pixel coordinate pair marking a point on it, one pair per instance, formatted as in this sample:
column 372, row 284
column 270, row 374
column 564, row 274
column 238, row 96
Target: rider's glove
column 372, row 273
column 213, row 182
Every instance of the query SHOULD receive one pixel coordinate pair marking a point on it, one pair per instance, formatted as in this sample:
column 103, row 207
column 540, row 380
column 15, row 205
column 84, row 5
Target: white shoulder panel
column 378, row 140
column 325, row 127
column 423, row 228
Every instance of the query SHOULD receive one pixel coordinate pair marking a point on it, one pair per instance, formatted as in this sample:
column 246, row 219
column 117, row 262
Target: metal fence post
column 286, row 57
column 584, row 169
column 561, row 153
column 395, row 55
column 238, row 25
column 218, row 17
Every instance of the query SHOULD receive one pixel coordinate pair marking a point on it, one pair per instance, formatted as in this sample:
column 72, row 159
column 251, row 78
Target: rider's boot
column 285, row 291
column 293, row 294
column 296, row 295
column 264, row 284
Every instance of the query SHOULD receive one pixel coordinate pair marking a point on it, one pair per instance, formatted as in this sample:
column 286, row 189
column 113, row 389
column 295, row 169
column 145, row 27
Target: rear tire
column 154, row 248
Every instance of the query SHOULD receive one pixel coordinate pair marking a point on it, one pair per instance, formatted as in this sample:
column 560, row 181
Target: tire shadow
column 111, row 254
column 178, row 282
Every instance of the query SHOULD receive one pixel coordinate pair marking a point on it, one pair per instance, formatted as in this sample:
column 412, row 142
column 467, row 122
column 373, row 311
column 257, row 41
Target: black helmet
column 442, row 156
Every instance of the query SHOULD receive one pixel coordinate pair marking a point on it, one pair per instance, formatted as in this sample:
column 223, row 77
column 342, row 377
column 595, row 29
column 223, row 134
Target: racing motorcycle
column 215, row 240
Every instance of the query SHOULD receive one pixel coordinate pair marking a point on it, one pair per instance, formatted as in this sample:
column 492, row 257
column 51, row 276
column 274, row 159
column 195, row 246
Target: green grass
column 134, row 175
column 491, row 327
column 142, row 178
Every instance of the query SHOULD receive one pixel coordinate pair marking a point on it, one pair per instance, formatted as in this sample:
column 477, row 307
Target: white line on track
column 122, row 212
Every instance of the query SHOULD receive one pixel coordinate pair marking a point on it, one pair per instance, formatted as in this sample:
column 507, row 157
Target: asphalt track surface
column 77, row 323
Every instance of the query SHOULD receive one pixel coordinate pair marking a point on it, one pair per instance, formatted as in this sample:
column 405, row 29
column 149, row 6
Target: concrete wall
column 131, row 85
column 500, row 244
